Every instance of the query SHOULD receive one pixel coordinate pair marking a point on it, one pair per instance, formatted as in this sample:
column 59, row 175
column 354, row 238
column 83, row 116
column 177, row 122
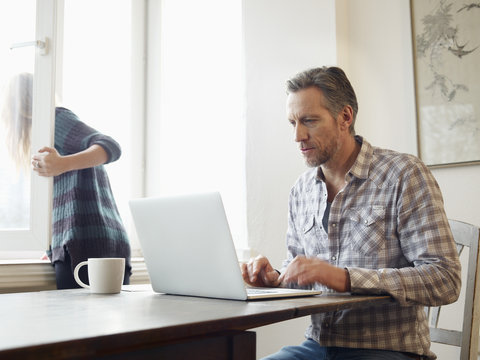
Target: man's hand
column 259, row 272
column 307, row 271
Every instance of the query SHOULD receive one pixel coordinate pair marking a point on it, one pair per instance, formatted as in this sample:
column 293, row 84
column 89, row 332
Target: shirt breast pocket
column 367, row 229
column 312, row 241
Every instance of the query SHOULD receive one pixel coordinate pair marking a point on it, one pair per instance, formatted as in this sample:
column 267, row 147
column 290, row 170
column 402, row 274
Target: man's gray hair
column 335, row 86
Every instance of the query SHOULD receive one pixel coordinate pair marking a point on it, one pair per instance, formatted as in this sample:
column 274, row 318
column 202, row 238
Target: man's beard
column 324, row 154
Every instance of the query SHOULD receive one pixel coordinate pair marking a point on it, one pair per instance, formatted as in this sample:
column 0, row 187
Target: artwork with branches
column 446, row 49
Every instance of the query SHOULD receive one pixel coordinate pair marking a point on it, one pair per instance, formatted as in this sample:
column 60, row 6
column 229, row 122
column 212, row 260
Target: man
column 363, row 220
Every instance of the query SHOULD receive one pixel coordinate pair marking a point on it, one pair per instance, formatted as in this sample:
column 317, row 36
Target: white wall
column 374, row 48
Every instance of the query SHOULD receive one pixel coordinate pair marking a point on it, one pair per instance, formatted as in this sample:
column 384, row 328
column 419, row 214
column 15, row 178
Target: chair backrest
column 465, row 235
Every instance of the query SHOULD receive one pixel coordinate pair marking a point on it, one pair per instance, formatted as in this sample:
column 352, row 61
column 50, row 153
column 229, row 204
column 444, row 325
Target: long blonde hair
column 17, row 119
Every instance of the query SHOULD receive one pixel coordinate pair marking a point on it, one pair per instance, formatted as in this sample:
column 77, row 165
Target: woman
column 86, row 221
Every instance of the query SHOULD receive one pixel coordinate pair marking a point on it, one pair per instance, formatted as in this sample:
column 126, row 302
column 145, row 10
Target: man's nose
column 301, row 133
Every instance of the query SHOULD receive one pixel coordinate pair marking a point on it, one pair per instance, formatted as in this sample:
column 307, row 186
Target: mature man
column 363, row 220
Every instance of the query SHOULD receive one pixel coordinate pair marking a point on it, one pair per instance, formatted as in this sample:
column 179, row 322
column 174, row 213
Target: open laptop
column 188, row 249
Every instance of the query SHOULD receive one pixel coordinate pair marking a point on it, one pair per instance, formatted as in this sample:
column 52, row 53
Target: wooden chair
column 465, row 235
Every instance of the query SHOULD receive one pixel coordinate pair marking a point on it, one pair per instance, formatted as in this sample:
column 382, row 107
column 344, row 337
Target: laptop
column 189, row 250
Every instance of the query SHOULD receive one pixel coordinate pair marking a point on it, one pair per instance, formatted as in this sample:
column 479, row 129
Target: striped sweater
column 86, row 221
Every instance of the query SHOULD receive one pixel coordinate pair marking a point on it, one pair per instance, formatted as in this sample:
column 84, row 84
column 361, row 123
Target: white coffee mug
column 105, row 275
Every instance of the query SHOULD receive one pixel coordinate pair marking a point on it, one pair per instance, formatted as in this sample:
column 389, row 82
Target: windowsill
column 22, row 275
column 36, row 275
column 23, row 261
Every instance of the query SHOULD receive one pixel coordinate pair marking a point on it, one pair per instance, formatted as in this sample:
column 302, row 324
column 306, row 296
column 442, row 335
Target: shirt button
column 334, row 225
column 334, row 258
column 326, row 325
column 365, row 222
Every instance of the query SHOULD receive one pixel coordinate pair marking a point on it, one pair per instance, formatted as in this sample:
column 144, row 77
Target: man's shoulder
column 376, row 155
column 390, row 165
column 397, row 160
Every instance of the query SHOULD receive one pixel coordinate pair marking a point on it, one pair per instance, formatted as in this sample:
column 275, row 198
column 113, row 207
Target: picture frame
column 446, row 59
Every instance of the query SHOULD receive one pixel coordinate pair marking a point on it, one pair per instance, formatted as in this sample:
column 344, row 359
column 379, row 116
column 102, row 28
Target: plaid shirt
column 388, row 228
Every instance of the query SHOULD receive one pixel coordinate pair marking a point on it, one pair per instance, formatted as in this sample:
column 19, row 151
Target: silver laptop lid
column 187, row 245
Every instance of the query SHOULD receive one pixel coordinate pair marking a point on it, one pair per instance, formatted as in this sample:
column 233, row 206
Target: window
column 15, row 179
column 196, row 137
column 97, row 85
column 93, row 78
column 24, row 209
column 188, row 86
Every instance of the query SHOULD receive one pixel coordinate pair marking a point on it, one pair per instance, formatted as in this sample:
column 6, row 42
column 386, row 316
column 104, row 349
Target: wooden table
column 140, row 324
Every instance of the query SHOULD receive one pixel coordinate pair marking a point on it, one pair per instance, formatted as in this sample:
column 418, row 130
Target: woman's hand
column 48, row 162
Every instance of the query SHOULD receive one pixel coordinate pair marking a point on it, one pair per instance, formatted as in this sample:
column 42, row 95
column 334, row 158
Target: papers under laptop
column 188, row 249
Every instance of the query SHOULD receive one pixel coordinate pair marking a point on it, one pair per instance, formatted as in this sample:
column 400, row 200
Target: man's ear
column 345, row 117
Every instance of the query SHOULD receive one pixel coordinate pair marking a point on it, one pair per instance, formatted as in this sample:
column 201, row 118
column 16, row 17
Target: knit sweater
column 86, row 221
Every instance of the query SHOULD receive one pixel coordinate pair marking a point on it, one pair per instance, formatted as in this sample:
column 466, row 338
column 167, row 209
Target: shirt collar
column 361, row 165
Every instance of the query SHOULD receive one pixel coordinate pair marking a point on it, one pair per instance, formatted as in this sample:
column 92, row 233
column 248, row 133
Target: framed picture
column 446, row 57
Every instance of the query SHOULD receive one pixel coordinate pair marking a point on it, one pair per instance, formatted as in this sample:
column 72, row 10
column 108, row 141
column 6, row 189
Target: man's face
column 316, row 130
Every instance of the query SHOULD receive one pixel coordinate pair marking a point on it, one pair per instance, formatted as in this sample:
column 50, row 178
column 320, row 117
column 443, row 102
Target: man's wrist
column 348, row 285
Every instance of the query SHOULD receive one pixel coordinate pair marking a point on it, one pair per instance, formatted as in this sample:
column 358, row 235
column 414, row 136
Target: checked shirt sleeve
column 432, row 275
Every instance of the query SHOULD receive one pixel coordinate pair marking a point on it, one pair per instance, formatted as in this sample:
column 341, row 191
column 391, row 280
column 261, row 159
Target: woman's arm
column 48, row 162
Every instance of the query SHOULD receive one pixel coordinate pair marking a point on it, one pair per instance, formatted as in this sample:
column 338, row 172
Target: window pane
column 202, row 133
column 96, row 77
column 17, row 25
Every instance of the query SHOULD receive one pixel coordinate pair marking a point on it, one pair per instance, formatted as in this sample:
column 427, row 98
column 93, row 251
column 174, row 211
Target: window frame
column 21, row 242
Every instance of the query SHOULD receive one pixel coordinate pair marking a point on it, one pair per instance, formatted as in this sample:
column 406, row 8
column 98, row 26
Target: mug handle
column 77, row 278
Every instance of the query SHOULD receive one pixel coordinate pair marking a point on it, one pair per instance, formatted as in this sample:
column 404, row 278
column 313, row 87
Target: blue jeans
column 311, row 350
